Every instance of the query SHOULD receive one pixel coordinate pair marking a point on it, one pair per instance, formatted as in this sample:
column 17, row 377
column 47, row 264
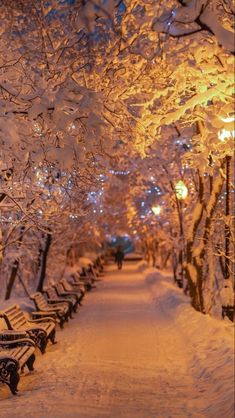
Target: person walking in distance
column 119, row 256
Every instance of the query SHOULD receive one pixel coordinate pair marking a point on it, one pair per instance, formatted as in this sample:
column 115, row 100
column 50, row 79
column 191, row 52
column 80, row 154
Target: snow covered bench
column 16, row 351
column 39, row 330
column 77, row 287
column 69, row 295
column 86, row 280
column 89, row 267
column 52, row 296
column 228, row 311
column 88, row 276
column 59, row 310
column 99, row 264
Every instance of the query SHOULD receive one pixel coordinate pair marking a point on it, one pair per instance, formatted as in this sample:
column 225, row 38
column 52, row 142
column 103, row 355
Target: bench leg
column 9, row 374
column 40, row 338
column 30, row 362
column 67, row 316
column 61, row 322
column 70, row 315
column 14, row 380
column 43, row 344
column 51, row 336
column 63, row 317
column 75, row 307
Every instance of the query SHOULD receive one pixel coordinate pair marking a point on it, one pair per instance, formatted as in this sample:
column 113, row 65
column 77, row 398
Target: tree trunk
column 227, row 213
column 199, row 253
column 14, row 268
column 174, row 264
column 1, row 246
column 165, row 260
column 42, row 261
column 191, row 271
column 23, row 284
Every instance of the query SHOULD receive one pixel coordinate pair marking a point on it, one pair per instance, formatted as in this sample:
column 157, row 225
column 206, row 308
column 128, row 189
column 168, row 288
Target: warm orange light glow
column 181, row 190
column 156, row 210
column 228, row 119
column 224, row 134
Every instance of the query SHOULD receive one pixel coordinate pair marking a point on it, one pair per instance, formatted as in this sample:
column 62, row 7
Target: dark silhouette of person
column 119, row 257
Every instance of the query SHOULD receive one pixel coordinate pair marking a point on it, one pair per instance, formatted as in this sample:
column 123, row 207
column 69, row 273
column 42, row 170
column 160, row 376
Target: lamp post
column 223, row 135
column 181, row 192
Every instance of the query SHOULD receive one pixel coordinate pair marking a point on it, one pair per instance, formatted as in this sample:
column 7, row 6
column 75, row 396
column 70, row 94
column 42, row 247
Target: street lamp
column 229, row 131
column 156, row 210
column 223, row 135
column 181, row 192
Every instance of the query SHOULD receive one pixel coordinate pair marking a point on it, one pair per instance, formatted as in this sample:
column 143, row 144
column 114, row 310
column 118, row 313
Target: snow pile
column 227, row 294
column 24, row 302
column 211, row 340
column 142, row 266
column 133, row 256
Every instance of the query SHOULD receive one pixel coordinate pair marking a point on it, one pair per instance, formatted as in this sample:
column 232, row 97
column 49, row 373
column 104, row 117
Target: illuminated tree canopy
column 97, row 98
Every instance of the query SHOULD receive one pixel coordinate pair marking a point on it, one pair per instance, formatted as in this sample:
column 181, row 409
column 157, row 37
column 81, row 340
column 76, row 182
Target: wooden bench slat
column 40, row 332
column 14, row 354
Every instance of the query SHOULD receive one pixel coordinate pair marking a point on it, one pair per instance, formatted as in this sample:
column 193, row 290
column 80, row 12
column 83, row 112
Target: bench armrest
column 56, row 301
column 8, row 335
column 17, row 343
column 55, row 304
column 68, row 293
column 42, row 320
column 77, row 285
column 44, row 315
column 5, row 356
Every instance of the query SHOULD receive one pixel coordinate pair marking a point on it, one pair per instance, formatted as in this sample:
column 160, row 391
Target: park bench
column 98, row 265
column 52, row 296
column 74, row 286
column 16, row 351
column 228, row 311
column 83, row 276
column 58, row 310
column 77, row 288
column 90, row 272
column 39, row 330
column 71, row 296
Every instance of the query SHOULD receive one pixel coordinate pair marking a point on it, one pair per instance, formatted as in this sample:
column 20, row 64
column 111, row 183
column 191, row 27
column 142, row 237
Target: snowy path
column 129, row 360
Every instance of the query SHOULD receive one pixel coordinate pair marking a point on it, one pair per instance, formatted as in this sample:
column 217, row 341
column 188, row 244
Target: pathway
column 121, row 357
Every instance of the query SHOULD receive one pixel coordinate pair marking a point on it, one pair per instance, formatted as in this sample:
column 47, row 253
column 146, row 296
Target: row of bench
column 23, row 334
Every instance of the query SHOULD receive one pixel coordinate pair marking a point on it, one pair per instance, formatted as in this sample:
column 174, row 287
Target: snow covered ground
column 136, row 349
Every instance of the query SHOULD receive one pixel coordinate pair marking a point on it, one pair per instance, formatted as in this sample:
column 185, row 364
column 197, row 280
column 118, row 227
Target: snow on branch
column 197, row 15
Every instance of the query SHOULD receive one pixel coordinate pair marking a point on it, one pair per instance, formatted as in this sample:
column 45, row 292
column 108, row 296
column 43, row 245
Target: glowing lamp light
column 228, row 119
column 224, row 134
column 181, row 190
column 156, row 210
